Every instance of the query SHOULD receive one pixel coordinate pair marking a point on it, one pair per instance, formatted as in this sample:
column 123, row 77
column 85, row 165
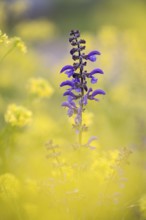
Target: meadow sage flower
column 78, row 92
column 17, row 115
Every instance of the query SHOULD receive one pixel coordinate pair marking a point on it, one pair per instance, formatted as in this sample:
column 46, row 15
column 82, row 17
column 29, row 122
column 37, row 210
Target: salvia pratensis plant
column 79, row 92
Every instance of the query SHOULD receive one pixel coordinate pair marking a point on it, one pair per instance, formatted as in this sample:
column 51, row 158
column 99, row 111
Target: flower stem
column 81, row 116
column 82, row 94
column 7, row 53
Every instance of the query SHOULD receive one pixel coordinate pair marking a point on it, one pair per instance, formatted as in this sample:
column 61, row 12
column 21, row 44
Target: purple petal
column 92, row 55
column 73, row 50
column 94, row 52
column 70, row 98
column 97, row 100
column 76, row 80
column 69, row 93
column 98, row 92
column 69, row 72
column 70, row 112
column 93, row 138
column 84, row 100
column 66, row 104
column 89, row 90
column 97, row 70
column 73, row 104
column 67, row 83
column 67, row 67
column 92, row 58
column 93, row 80
column 78, row 90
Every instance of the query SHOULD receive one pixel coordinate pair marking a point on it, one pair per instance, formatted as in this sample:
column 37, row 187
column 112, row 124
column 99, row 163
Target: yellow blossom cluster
column 18, row 115
column 40, row 88
column 3, row 38
column 9, row 186
column 18, row 43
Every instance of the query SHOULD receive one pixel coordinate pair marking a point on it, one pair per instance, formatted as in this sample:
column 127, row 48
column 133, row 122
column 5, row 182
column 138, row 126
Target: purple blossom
column 97, row 70
column 78, row 116
column 67, row 83
column 93, row 80
column 69, row 93
column 71, row 107
column 78, row 92
column 93, row 72
column 84, row 99
column 92, row 55
column 68, row 69
column 96, row 92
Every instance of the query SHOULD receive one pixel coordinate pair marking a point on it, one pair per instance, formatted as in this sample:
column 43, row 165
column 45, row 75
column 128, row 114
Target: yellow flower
column 18, row 115
column 40, row 88
column 3, row 38
column 9, row 186
column 18, row 43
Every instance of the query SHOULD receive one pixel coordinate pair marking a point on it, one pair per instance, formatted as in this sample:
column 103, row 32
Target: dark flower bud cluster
column 78, row 93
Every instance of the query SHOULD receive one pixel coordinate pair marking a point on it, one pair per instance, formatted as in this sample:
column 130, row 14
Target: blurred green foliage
column 42, row 175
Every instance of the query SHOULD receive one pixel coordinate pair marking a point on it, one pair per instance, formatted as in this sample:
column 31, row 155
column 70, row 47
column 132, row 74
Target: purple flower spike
column 67, row 67
column 78, row 93
column 92, row 55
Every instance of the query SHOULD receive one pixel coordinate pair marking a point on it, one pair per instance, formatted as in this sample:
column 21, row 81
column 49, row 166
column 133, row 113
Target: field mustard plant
column 3, row 38
column 18, row 43
column 40, row 88
column 79, row 93
column 9, row 186
column 11, row 44
column 71, row 184
column 18, row 115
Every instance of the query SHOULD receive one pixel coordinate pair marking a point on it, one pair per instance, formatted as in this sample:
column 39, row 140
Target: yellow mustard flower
column 18, row 115
column 9, row 186
column 18, row 43
column 40, row 88
column 3, row 38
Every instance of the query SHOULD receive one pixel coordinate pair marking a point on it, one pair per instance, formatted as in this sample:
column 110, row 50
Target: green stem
column 81, row 105
column 81, row 122
column 7, row 53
